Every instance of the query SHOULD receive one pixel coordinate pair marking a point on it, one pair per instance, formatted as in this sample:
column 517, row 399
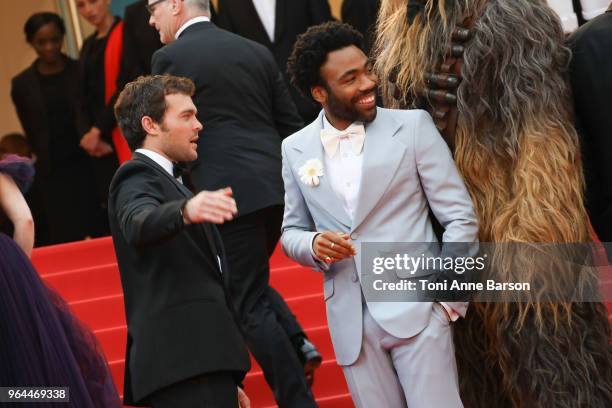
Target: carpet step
column 86, row 283
column 104, row 280
column 75, row 255
column 108, row 311
column 113, row 342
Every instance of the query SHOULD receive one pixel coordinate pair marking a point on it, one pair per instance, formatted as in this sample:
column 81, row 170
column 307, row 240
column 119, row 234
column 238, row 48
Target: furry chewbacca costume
column 519, row 155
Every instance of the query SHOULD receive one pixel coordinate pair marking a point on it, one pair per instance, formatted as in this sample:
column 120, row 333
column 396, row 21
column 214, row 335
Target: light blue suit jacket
column 406, row 165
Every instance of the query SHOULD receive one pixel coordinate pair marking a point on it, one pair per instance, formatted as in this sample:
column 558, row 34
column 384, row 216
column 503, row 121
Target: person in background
column 99, row 68
column 47, row 101
column 275, row 24
column 41, row 343
column 591, row 79
column 246, row 109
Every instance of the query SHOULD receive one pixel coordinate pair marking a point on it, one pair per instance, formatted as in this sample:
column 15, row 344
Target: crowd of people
column 247, row 125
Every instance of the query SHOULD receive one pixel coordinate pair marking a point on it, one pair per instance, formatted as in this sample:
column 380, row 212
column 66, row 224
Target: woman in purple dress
column 41, row 343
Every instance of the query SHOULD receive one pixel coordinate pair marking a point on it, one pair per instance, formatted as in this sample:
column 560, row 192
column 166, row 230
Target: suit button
column 354, row 278
column 354, row 236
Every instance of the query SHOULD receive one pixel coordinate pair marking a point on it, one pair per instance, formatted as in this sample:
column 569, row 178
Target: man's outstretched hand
column 210, row 206
column 332, row 247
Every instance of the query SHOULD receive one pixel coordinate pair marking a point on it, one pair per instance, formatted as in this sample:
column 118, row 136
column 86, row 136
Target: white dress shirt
column 344, row 171
column 267, row 15
column 190, row 22
column 161, row 160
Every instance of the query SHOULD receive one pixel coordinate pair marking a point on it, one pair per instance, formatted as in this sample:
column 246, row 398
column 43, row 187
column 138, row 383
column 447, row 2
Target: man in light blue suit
column 361, row 174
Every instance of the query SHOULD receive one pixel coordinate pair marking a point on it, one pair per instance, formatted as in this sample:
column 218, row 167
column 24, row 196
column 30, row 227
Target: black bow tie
column 179, row 169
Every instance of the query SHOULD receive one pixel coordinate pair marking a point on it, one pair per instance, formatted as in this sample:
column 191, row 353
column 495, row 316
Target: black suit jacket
column 293, row 17
column 180, row 322
column 30, row 106
column 591, row 78
column 245, row 108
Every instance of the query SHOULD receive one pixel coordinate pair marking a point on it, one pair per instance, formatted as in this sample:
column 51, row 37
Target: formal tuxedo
column 180, row 320
column 292, row 18
column 591, row 78
column 246, row 111
column 393, row 353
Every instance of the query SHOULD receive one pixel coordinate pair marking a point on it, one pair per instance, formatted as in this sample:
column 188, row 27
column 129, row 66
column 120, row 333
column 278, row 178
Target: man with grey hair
column 246, row 110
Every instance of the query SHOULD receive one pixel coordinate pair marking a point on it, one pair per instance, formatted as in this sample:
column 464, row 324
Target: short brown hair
column 146, row 96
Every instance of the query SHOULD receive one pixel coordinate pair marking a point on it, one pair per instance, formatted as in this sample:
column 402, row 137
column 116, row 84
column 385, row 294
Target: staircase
column 86, row 275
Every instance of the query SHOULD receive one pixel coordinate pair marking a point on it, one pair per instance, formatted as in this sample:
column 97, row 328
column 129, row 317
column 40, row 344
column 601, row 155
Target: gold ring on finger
column 328, row 259
column 333, row 244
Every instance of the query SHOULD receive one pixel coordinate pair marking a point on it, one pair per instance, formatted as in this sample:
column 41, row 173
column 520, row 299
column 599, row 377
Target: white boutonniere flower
column 310, row 172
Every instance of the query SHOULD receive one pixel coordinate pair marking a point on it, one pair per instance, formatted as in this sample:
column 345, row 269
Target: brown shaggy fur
column 520, row 158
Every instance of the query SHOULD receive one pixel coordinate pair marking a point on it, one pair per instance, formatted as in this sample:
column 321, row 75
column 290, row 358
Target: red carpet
column 85, row 274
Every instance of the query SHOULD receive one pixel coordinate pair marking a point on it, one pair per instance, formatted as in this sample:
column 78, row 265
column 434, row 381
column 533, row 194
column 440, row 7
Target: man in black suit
column 243, row 101
column 276, row 24
column 184, row 345
column 591, row 78
column 140, row 41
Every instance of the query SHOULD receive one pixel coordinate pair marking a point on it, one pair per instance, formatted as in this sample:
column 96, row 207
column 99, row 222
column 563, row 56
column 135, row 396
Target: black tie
column 179, row 170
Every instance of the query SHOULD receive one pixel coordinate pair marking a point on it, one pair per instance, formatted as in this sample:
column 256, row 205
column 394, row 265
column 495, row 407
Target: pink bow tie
column 331, row 139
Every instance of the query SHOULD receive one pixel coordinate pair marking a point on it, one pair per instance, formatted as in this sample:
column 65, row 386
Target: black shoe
column 310, row 358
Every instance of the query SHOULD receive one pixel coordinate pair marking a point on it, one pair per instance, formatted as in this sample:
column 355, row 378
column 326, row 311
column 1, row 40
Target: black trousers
column 266, row 320
column 215, row 390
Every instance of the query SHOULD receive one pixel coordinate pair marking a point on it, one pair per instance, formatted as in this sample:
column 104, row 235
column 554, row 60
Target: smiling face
column 176, row 136
column 348, row 90
column 47, row 42
column 94, row 11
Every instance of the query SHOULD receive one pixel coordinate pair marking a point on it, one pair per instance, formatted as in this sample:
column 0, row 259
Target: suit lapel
column 312, row 148
column 382, row 155
column 205, row 227
column 181, row 188
column 210, row 239
column 254, row 21
column 279, row 20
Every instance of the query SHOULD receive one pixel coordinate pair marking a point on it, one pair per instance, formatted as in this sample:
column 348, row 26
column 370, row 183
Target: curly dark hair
column 311, row 49
column 146, row 96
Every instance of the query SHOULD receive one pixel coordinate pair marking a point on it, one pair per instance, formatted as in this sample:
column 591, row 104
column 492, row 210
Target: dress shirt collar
column 190, row 22
column 164, row 163
column 327, row 125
